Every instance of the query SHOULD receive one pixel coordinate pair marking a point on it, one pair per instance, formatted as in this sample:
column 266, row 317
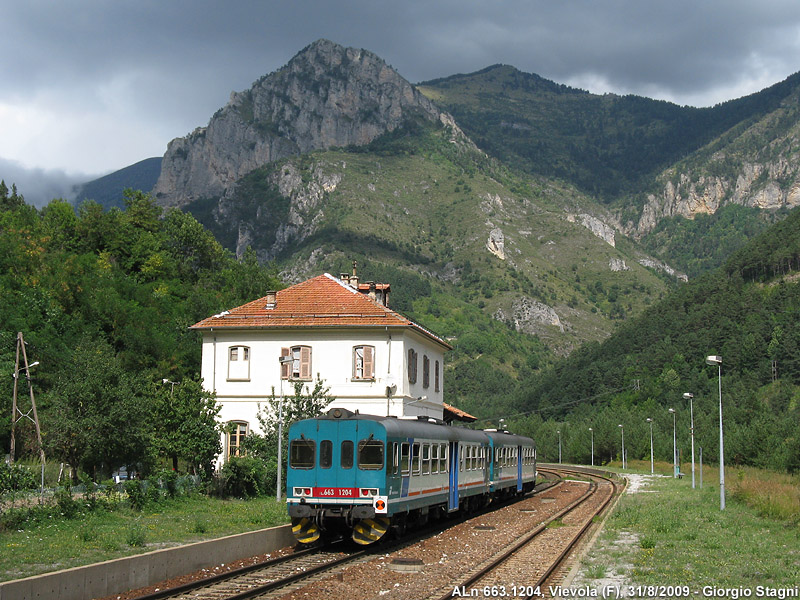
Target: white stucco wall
column 332, row 360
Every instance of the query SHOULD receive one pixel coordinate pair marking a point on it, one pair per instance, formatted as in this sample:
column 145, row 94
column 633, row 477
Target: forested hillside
column 747, row 312
column 104, row 300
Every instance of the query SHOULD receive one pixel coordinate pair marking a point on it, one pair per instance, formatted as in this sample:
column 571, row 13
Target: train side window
column 462, row 449
column 325, row 454
column 404, row 458
column 415, row 459
column 347, row 454
column 370, row 454
column 302, row 454
column 394, row 458
column 435, row 458
column 426, row 459
column 442, row 458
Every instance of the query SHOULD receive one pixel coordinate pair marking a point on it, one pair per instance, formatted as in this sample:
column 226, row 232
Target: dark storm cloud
column 97, row 85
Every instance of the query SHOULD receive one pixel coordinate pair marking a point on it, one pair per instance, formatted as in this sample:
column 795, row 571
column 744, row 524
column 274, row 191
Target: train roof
column 425, row 427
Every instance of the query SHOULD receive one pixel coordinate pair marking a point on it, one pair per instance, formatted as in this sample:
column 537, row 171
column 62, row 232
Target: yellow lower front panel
column 305, row 530
column 369, row 531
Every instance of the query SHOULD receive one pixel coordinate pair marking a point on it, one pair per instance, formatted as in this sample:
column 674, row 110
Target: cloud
column 110, row 84
column 40, row 186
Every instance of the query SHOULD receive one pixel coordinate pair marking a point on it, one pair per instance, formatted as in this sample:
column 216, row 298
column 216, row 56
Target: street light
column 649, row 420
column 717, row 360
column 674, row 446
column 559, row 446
column 283, row 360
column 172, row 383
column 622, row 429
column 688, row 396
column 592, row 432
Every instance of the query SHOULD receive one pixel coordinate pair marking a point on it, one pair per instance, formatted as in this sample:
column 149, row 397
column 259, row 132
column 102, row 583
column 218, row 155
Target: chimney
column 272, row 300
column 372, row 293
column 354, row 277
column 345, row 278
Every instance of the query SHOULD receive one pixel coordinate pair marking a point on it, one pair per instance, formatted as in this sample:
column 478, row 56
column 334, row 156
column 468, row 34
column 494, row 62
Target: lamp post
column 674, row 445
column 283, row 360
column 592, row 432
column 717, row 360
column 559, row 446
column 649, row 420
column 622, row 429
column 172, row 383
column 688, row 396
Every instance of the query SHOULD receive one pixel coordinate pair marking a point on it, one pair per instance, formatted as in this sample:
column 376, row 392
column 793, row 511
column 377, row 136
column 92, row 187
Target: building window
column 236, row 433
column 412, row 366
column 239, row 363
column 364, row 362
column 436, row 384
column 426, row 371
column 300, row 366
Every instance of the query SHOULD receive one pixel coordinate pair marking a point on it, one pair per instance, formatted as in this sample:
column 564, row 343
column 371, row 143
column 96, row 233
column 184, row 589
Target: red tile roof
column 322, row 301
column 456, row 414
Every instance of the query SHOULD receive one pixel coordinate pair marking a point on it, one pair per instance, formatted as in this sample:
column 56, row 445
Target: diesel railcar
column 363, row 475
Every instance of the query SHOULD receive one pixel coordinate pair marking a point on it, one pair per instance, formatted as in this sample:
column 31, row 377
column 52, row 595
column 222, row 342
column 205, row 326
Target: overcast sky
column 90, row 87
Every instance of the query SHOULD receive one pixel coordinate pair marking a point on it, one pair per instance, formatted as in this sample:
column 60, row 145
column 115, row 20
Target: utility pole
column 16, row 412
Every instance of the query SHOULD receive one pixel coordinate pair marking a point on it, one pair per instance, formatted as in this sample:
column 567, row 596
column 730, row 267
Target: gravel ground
column 444, row 558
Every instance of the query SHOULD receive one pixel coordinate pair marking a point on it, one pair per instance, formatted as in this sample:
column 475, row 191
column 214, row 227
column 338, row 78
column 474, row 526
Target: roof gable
column 322, row 301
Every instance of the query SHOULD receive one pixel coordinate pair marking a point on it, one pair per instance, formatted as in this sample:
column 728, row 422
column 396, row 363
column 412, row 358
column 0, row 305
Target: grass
column 60, row 543
column 679, row 536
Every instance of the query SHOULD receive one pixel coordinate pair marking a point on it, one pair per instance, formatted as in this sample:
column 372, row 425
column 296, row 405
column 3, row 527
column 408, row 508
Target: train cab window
column 302, row 453
column 325, row 454
column 405, row 461
column 426, row 459
column 415, row 462
column 442, row 458
column 370, row 454
column 347, row 454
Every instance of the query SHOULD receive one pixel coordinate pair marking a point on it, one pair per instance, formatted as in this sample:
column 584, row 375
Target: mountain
column 326, row 96
column 746, row 311
column 648, row 161
column 356, row 164
column 108, row 190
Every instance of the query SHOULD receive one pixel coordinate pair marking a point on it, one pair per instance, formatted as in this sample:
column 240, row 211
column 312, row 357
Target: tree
column 99, row 416
column 303, row 404
column 186, row 425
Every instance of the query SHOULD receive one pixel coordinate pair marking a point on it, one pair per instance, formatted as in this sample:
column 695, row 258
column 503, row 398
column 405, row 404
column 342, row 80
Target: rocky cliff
column 326, row 96
column 755, row 165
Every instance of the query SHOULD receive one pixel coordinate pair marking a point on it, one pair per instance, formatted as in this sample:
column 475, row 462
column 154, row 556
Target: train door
column 519, row 468
column 452, row 496
column 336, row 469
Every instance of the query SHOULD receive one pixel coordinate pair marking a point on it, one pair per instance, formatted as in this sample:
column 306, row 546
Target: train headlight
column 368, row 492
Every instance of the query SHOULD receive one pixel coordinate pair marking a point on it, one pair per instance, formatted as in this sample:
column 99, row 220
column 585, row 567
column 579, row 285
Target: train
column 365, row 475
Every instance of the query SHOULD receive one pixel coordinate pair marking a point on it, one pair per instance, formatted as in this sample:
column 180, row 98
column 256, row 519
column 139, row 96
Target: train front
column 336, row 478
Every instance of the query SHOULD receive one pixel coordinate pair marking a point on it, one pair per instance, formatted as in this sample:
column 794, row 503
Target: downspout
column 214, row 371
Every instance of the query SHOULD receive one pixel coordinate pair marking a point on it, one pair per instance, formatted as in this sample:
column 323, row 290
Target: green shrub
column 243, row 477
column 137, row 496
column 67, row 505
column 15, row 477
column 135, row 537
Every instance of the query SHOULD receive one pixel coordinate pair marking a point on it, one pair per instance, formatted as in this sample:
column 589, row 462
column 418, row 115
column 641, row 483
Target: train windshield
column 370, row 454
column 301, row 454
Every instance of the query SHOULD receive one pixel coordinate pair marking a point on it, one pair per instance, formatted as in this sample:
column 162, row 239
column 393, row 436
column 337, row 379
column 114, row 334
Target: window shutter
column 305, row 362
column 285, row 366
column 436, row 377
column 369, row 362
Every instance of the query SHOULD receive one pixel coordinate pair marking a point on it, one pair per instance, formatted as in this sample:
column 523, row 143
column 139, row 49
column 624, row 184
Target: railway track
column 278, row 576
column 527, row 568
column 319, row 573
